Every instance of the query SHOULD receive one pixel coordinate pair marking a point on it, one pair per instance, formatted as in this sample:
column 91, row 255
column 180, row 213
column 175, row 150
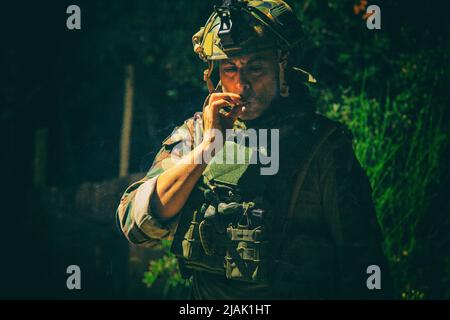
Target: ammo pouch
column 245, row 257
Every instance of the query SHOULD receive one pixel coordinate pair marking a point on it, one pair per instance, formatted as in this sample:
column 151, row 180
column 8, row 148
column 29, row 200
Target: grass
column 400, row 149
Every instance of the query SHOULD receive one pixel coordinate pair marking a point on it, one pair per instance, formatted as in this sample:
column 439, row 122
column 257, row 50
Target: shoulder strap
column 279, row 266
column 301, row 175
column 304, row 170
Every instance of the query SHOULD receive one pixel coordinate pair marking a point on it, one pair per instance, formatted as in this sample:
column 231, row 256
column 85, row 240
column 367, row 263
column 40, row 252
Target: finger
column 214, row 109
column 235, row 112
column 236, row 109
column 225, row 95
column 220, row 103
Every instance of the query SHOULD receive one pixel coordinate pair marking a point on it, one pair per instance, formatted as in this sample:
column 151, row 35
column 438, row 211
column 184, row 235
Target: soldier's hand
column 214, row 118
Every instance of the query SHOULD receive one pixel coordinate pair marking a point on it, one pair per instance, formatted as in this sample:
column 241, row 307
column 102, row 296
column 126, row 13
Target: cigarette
column 226, row 109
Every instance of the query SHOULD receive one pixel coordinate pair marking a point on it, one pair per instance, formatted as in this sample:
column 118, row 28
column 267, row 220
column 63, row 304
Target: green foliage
column 388, row 88
column 401, row 156
column 165, row 270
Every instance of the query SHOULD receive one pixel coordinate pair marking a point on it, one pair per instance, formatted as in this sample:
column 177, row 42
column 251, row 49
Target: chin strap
column 207, row 76
column 282, row 64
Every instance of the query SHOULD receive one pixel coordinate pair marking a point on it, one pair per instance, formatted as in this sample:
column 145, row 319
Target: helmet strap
column 282, row 65
column 207, row 76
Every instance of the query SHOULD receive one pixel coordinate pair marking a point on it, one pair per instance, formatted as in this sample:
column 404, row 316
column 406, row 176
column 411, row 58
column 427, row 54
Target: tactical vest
column 226, row 227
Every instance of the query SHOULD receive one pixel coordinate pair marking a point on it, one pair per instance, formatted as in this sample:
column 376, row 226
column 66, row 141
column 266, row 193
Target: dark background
column 71, row 84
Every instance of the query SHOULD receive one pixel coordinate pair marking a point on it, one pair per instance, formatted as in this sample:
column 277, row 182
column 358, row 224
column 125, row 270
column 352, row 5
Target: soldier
column 307, row 232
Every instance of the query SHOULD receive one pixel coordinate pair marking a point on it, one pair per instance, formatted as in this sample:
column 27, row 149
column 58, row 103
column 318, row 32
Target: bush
column 165, row 271
column 400, row 147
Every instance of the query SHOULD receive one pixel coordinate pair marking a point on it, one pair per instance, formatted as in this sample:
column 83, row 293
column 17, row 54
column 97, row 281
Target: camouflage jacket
column 333, row 238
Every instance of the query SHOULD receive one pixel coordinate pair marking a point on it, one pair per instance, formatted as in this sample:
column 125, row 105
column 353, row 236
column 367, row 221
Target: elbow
column 128, row 229
column 136, row 218
column 136, row 236
column 142, row 229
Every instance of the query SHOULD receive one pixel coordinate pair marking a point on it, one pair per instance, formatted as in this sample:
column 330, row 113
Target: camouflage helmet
column 240, row 27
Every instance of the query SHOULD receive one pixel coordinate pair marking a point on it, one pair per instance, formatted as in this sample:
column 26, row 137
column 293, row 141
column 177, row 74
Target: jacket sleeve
column 351, row 218
column 134, row 214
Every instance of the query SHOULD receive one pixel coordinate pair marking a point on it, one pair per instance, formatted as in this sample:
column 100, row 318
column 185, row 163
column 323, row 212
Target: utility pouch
column 191, row 245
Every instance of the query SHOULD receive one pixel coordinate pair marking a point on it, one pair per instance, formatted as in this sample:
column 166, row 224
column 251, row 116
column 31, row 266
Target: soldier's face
column 254, row 77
